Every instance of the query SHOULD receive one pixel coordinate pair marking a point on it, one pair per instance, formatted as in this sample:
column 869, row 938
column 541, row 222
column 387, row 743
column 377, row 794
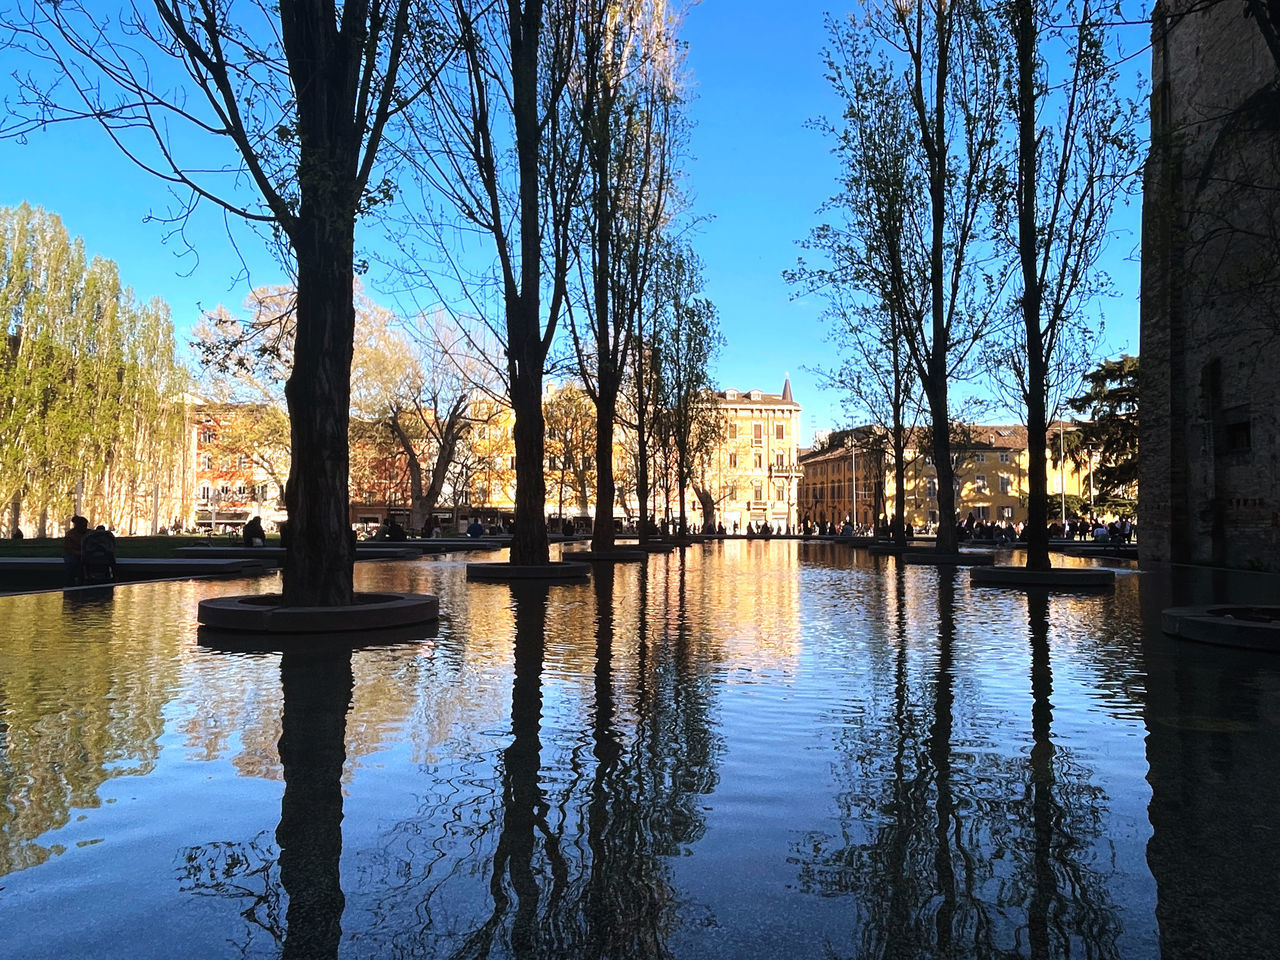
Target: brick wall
column 1210, row 349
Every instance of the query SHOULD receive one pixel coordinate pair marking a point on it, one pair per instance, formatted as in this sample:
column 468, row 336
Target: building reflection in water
column 1212, row 719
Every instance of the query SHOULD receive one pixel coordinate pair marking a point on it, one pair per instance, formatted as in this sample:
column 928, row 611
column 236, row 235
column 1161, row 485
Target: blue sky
column 757, row 176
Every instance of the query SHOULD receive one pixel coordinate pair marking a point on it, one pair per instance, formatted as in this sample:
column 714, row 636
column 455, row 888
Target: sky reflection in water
column 749, row 750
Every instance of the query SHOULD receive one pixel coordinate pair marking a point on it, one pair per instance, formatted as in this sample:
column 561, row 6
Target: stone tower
column 1210, row 356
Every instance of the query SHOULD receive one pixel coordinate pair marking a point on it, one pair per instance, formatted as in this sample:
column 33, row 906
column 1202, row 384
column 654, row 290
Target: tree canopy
column 90, row 385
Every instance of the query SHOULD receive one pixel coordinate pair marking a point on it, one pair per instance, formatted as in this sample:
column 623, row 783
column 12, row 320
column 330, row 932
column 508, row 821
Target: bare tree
column 943, row 61
column 1076, row 150
column 298, row 95
column 873, row 280
column 496, row 144
column 626, row 104
column 686, row 339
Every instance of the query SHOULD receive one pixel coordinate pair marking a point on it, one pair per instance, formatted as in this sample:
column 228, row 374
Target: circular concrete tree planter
column 562, row 571
column 1060, row 579
column 239, row 641
column 931, row 558
column 605, row 556
column 1240, row 625
column 263, row 613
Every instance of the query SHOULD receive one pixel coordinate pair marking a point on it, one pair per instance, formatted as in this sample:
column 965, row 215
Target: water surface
column 747, row 749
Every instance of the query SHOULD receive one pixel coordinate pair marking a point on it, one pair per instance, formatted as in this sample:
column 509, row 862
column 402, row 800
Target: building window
column 207, row 435
column 733, row 431
column 1237, row 434
column 1004, row 456
column 733, row 491
column 980, row 483
column 931, row 488
column 982, row 513
column 928, row 460
column 513, row 463
column 204, row 492
column 759, row 461
column 206, row 462
column 733, row 459
column 980, row 457
column 1006, row 513
column 779, row 493
column 241, row 490
column 1005, row 485
column 779, row 460
column 759, row 492
column 757, row 433
column 780, row 431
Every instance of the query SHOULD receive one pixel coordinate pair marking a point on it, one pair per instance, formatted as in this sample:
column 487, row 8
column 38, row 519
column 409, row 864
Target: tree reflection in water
column 575, row 834
column 940, row 861
column 316, row 685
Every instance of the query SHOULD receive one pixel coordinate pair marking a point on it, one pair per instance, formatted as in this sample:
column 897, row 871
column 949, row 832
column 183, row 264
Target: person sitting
column 254, row 535
column 72, row 546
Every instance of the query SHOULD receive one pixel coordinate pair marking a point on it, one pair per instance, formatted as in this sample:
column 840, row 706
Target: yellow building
column 753, row 477
column 827, row 491
column 990, row 465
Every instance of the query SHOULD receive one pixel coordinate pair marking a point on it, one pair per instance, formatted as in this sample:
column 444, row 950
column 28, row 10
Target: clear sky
column 757, row 176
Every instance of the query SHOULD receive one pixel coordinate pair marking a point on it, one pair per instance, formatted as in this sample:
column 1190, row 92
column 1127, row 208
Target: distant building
column 1210, row 372
column 754, row 476
column 990, row 464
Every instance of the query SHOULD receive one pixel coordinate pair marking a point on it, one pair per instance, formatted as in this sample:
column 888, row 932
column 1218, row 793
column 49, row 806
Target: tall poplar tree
column 90, row 389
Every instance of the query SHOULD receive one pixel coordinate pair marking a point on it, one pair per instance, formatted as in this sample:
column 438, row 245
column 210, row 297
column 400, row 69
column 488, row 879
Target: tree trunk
column 1037, row 362
column 319, row 554
column 946, row 538
column 900, row 484
column 602, row 533
column 529, row 538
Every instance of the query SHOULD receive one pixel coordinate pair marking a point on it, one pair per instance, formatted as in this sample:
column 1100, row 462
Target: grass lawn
column 125, row 546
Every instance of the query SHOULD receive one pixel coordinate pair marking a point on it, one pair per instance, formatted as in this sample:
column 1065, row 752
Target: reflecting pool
column 745, row 749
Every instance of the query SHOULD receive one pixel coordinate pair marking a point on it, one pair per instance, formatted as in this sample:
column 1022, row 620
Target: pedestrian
column 73, row 551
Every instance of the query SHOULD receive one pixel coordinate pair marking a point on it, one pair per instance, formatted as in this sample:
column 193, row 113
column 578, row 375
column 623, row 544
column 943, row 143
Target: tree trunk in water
column 602, row 533
column 320, row 554
column 317, row 694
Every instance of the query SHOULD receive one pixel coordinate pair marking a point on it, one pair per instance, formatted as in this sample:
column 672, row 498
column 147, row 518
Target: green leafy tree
column 91, row 411
column 1108, row 438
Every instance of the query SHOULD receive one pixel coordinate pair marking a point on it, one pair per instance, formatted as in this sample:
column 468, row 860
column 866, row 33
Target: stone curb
column 511, row 572
column 1060, row 579
column 931, row 559
column 604, row 556
column 262, row 613
column 1256, row 627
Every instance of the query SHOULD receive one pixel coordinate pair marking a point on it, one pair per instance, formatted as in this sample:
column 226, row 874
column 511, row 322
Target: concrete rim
column 605, row 556
column 553, row 572
column 1057, row 579
column 1254, row 626
column 930, row 559
column 263, row 613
